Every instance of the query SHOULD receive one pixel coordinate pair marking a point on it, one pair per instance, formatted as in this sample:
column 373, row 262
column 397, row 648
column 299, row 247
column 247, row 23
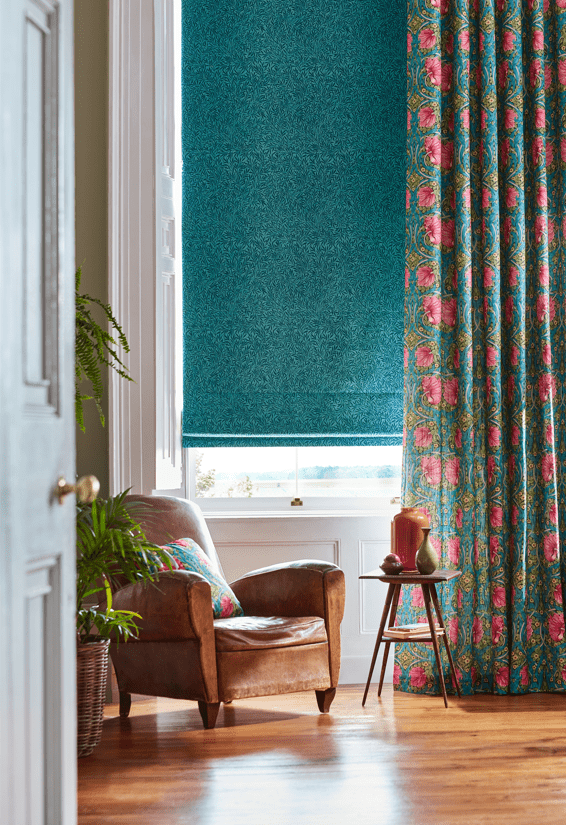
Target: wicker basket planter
column 92, row 670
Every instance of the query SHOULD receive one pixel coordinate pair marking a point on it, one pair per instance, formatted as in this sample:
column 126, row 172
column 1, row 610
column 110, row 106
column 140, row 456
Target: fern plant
column 111, row 548
column 94, row 346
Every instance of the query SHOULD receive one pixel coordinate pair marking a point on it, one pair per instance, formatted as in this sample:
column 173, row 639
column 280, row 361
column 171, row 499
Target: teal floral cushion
column 187, row 555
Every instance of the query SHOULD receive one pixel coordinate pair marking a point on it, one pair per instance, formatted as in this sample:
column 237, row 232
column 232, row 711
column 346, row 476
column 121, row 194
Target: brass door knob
column 86, row 489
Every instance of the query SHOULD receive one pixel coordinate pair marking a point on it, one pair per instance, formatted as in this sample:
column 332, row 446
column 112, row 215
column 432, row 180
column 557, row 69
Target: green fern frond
column 95, row 347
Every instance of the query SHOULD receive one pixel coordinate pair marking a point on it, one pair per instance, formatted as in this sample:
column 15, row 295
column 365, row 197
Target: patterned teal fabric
column 187, row 555
column 485, row 390
column 293, row 229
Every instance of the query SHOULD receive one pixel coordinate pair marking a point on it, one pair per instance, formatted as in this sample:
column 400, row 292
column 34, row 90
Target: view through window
column 265, row 472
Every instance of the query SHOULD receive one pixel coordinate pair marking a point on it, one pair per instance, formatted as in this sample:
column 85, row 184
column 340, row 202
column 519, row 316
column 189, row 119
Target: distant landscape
column 318, row 473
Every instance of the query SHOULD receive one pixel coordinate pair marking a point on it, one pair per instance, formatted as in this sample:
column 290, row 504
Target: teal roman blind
column 294, row 142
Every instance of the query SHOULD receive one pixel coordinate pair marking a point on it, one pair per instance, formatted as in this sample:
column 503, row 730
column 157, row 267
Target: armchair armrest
column 298, row 588
column 177, row 607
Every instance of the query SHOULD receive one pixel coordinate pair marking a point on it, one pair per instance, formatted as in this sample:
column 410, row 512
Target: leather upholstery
column 172, row 609
column 288, row 640
column 270, row 672
column 262, row 632
column 169, row 669
column 165, row 518
column 298, row 588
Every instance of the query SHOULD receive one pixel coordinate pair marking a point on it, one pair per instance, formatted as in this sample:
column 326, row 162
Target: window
column 275, row 477
column 293, row 243
column 144, row 290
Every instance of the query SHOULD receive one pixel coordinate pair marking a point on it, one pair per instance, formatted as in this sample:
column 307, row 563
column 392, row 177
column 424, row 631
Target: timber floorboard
column 402, row 760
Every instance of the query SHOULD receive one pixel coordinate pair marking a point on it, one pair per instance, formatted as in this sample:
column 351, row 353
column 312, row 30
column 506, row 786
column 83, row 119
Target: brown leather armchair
column 288, row 639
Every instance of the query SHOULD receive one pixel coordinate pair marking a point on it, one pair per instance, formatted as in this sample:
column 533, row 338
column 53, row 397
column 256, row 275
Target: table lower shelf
column 394, row 637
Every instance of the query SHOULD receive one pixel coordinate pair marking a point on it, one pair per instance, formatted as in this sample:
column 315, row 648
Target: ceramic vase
column 427, row 559
column 407, row 535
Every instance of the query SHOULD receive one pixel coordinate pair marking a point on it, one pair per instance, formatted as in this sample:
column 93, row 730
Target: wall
column 91, row 198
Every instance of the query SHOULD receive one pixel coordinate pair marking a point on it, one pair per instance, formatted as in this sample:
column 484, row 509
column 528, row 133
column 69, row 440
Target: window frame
column 144, row 269
column 281, row 505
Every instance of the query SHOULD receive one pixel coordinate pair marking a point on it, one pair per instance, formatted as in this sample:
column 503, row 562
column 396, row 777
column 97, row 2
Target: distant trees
column 243, row 489
column 205, row 481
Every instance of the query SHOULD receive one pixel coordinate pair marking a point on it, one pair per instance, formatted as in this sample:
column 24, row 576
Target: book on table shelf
column 411, row 631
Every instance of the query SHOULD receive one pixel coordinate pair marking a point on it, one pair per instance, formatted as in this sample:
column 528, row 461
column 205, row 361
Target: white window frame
column 144, row 269
column 281, row 505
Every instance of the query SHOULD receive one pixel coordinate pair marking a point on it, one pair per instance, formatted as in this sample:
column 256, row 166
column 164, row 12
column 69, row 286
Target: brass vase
column 427, row 558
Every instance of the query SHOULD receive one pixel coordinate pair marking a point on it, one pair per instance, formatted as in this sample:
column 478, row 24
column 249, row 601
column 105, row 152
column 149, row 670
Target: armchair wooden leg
column 208, row 712
column 324, row 699
column 125, row 705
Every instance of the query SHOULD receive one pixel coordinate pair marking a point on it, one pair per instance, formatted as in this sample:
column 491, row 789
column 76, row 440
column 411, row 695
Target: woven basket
column 92, row 669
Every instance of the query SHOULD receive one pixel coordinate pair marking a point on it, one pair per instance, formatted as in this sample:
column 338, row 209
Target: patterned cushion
column 187, row 555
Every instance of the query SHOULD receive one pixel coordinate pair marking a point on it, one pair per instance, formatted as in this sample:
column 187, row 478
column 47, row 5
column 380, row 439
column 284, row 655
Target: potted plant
column 111, row 549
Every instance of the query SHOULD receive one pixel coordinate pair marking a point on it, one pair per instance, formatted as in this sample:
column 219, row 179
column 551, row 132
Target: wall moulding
column 370, row 556
column 240, row 557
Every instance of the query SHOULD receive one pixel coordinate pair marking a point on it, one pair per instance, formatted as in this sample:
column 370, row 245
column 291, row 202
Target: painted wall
column 91, row 197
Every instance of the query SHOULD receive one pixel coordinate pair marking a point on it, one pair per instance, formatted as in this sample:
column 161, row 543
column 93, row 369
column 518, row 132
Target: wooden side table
column 427, row 584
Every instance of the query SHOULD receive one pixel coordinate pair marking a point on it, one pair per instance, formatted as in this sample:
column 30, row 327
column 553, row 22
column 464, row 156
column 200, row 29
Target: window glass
column 350, row 472
column 245, row 472
column 267, row 472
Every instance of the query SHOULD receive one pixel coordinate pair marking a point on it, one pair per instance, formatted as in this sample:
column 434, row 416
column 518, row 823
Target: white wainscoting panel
column 42, row 682
column 243, row 557
column 372, row 593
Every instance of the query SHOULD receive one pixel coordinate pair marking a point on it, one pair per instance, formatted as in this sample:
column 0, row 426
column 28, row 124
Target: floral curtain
column 485, row 315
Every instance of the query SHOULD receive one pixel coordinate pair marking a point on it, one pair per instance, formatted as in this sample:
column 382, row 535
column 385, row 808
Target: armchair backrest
column 166, row 518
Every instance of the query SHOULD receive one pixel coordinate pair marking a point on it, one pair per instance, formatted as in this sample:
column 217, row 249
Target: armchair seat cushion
column 263, row 632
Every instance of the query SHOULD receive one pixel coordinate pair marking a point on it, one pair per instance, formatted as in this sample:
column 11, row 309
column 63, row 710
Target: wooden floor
column 403, row 760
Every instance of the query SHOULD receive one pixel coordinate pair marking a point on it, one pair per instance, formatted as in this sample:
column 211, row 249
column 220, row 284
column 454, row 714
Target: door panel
column 37, row 647
column 40, row 196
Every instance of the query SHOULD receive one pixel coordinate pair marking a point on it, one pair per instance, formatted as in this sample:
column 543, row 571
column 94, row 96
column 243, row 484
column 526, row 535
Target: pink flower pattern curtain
column 485, row 343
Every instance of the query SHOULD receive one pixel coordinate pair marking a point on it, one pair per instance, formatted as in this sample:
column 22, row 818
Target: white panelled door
column 37, row 648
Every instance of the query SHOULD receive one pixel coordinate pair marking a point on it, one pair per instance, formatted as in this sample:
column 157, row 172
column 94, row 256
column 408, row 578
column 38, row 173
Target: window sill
column 299, row 512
